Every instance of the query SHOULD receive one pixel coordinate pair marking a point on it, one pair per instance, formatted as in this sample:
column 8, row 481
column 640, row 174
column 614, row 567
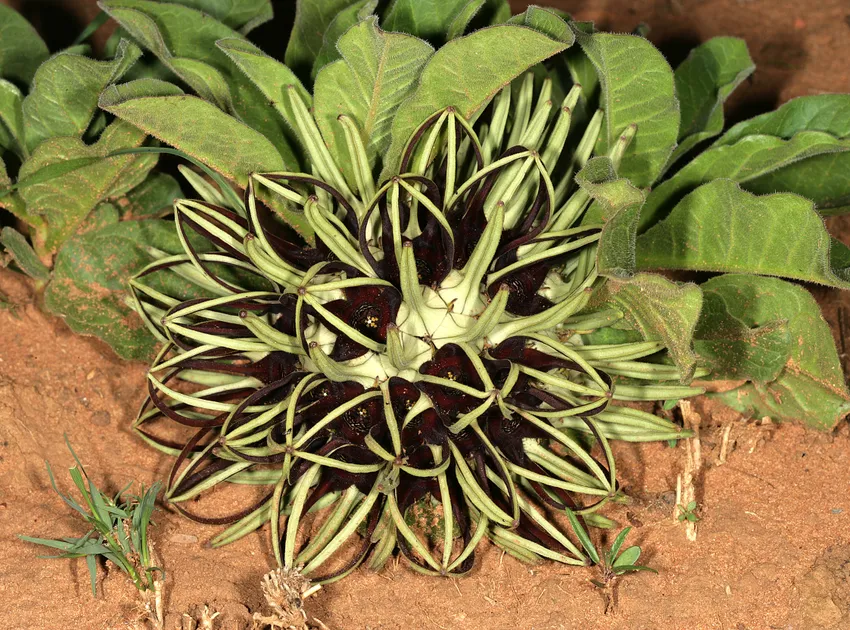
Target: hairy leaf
column 548, row 21
column 240, row 15
column 810, row 384
column 343, row 21
column 312, row 19
column 427, row 19
column 21, row 49
column 720, row 227
column 65, row 199
column 637, row 88
column 270, row 76
column 661, row 310
column 16, row 243
column 739, row 338
column 703, row 83
column 89, row 286
column 829, row 113
column 193, row 126
column 825, row 179
column 747, row 160
column 617, row 205
column 467, row 73
column 377, row 72
column 11, row 119
column 154, row 196
column 184, row 40
column 63, row 98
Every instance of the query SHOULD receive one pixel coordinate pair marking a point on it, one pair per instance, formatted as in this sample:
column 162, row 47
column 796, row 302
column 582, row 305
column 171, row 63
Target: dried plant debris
column 285, row 591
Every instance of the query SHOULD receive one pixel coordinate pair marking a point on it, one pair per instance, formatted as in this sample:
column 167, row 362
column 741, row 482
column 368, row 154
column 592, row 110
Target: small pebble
column 101, row 418
column 183, row 539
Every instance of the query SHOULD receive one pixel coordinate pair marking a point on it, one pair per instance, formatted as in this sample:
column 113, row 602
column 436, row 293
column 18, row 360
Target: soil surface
column 773, row 542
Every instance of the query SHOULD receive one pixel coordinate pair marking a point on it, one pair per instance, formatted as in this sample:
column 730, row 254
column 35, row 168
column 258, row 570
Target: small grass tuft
column 118, row 533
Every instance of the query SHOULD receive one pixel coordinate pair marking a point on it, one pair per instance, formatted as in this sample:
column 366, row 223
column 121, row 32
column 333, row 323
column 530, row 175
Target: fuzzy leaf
column 343, row 21
column 427, row 19
column 661, row 310
column 829, row 113
column 790, row 240
column 184, row 40
column 65, row 199
column 738, row 338
column 21, row 49
column 64, row 93
column 825, row 179
column 548, row 21
column 153, row 196
column 193, row 126
column 810, row 387
column 378, row 70
column 269, row 76
column 240, row 15
column 11, row 119
column 703, row 83
column 16, row 243
column 89, row 286
column 637, row 88
column 467, row 73
column 312, row 19
column 617, row 205
column 749, row 159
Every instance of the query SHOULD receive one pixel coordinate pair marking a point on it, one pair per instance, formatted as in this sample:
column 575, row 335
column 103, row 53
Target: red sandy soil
column 773, row 545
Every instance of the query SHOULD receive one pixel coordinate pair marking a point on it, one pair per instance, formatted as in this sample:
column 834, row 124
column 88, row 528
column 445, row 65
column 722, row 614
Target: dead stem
column 285, row 591
column 685, row 489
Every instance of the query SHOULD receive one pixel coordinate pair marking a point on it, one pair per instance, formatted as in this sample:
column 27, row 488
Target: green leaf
column 810, row 387
column 11, row 119
column 466, row 74
column 343, row 21
column 548, row 21
column 712, row 229
column 193, row 126
column 829, row 113
column 703, row 83
column 240, row 15
column 269, row 76
column 153, row 196
column 21, row 49
column 16, row 243
column 628, row 557
column 312, row 19
column 748, row 159
column 637, row 88
column 661, row 310
column 460, row 23
column 738, row 337
column 183, row 39
column 89, row 286
column 617, row 205
column 64, row 200
column 825, row 179
column 64, row 93
column 581, row 534
column 617, row 544
column 378, row 70
column 427, row 19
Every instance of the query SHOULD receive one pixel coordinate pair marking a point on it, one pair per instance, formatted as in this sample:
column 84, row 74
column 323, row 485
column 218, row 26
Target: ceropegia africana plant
column 468, row 296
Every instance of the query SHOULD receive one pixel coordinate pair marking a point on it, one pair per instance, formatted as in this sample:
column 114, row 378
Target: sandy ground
column 773, row 545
